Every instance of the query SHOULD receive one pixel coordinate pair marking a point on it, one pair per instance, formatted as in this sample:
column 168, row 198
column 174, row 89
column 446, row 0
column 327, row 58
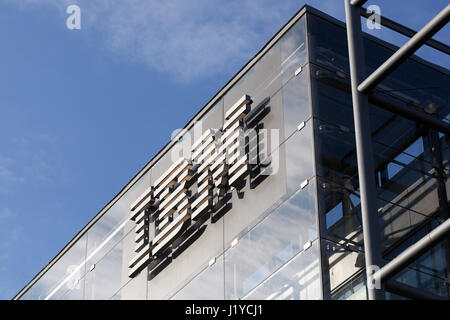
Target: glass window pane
column 260, row 82
column 341, row 262
column 104, row 277
column 201, row 241
column 292, row 163
column 265, row 185
column 64, row 275
column 134, row 289
column 432, row 262
column 423, row 281
column 340, row 209
column 298, row 279
column 409, row 183
column 264, row 248
column 293, row 49
column 328, row 44
column 114, row 224
column 274, row 69
column 76, row 292
column 414, row 81
column 208, row 285
column 296, row 102
column 353, row 290
column 299, row 157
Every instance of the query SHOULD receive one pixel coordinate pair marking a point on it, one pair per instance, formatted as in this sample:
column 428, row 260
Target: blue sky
column 83, row 110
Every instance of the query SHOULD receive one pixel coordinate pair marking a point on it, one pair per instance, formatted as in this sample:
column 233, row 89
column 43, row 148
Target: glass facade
column 409, row 158
column 294, row 230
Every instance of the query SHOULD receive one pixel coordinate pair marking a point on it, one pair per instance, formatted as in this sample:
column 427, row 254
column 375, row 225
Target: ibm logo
column 220, row 159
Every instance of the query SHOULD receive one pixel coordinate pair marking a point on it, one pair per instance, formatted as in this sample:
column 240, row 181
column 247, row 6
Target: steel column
column 420, row 38
column 372, row 247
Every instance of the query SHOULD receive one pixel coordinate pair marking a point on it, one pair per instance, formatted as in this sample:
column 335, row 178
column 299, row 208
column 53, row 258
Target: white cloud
column 188, row 39
column 192, row 39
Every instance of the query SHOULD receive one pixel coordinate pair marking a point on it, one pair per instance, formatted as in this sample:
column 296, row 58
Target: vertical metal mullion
column 372, row 246
column 435, row 150
column 323, row 261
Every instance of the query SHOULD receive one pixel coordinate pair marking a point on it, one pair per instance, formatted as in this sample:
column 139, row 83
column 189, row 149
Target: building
column 276, row 214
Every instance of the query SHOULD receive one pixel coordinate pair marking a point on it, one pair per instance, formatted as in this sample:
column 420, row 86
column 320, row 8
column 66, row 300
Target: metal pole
column 372, row 247
column 406, row 50
column 413, row 252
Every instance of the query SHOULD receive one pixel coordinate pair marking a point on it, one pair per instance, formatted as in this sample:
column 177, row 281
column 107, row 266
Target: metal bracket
column 307, row 245
column 304, row 184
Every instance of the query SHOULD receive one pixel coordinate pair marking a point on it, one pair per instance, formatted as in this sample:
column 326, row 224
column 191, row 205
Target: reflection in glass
column 64, row 275
column 342, row 261
column 108, row 230
column 271, row 243
column 293, row 49
column 104, row 280
column 274, row 69
column 208, row 285
column 260, row 82
column 414, row 82
column 76, row 292
column 340, row 209
column 299, row 157
column 298, row 279
column 402, row 178
column 433, row 262
column 423, row 281
column 354, row 289
column 111, row 227
column 296, row 102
